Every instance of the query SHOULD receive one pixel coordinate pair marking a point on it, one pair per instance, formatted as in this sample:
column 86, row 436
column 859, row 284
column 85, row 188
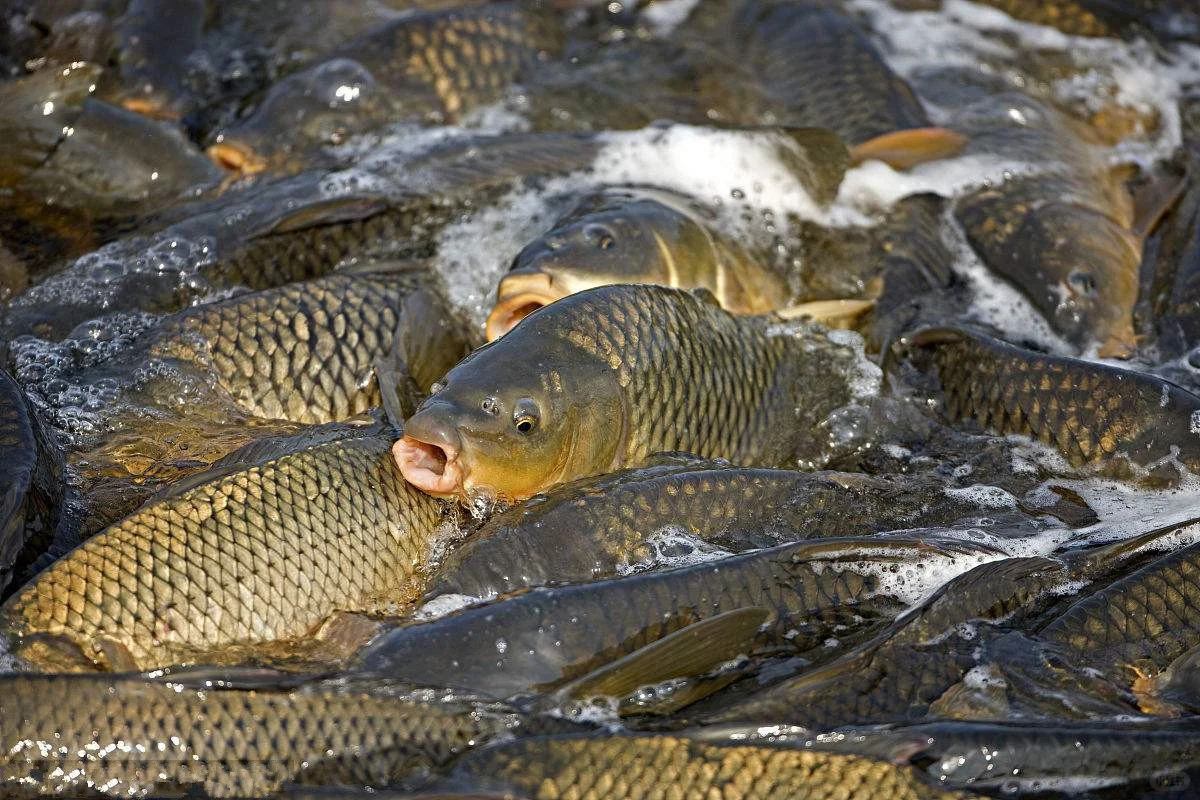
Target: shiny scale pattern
column 304, row 353
column 68, row 733
column 701, row 381
column 674, row 768
column 264, row 553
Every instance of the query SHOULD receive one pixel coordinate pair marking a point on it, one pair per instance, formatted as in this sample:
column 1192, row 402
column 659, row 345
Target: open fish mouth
column 237, row 157
column 518, row 296
column 433, row 468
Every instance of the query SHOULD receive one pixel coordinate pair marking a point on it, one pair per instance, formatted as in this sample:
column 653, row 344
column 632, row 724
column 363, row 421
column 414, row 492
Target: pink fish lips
column 431, row 466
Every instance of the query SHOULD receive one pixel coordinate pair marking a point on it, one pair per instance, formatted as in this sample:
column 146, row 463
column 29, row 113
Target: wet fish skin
column 634, row 767
column 128, row 735
column 661, row 370
column 30, row 472
column 426, row 67
column 618, row 236
column 30, row 135
column 898, row 674
column 153, row 39
column 591, row 528
column 818, row 68
column 1093, row 414
column 292, row 230
column 1148, row 617
column 1062, row 234
column 990, row 754
column 304, row 352
column 262, row 547
column 545, row 637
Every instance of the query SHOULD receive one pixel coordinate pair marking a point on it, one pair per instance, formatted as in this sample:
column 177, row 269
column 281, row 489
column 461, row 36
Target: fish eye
column 436, row 387
column 526, row 415
column 1083, row 283
column 601, row 235
column 490, row 406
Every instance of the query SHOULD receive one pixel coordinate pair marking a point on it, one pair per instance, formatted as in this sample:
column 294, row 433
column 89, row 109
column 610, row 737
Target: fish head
column 606, row 239
column 512, row 419
column 318, row 107
column 1095, row 263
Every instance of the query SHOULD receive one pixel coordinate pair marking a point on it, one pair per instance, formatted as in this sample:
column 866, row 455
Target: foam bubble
column 982, row 495
column 673, row 547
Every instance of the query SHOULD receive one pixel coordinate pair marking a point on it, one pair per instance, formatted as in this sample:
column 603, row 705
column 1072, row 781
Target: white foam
column 982, row 495
column 445, row 604
column 665, row 16
column 673, row 547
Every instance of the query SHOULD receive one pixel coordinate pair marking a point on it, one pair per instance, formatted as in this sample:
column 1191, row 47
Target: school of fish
column 581, row 400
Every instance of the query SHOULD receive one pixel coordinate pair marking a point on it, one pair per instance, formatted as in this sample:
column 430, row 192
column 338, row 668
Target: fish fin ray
column 906, row 149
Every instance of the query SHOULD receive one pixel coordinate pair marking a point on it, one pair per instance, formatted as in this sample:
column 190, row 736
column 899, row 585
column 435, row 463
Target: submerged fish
column 538, row 640
column 606, row 378
column 29, row 473
column 264, row 546
column 637, row 236
column 1028, row 755
column 1064, row 232
column 595, row 527
column 1094, row 414
column 428, row 67
column 154, row 39
column 305, row 352
column 122, row 736
column 633, row 767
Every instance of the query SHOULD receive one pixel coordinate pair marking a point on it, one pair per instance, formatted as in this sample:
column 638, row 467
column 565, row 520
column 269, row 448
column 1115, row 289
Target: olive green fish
column 896, row 676
column 1028, row 755
column 595, row 527
column 631, row 767
column 126, row 735
column 607, row 377
column 264, row 546
column 638, row 236
column 1065, row 231
column 429, row 67
column 1146, row 618
column 305, row 352
column 537, row 640
column 31, row 476
column 1094, row 414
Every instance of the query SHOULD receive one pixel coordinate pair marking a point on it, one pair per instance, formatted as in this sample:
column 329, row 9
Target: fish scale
column 278, row 352
column 634, row 767
column 126, row 735
column 1148, row 614
column 552, row 635
column 266, row 552
column 1090, row 412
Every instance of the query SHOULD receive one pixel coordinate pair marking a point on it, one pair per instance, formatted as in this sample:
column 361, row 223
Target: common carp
column 305, row 352
column 127, row 735
column 1026, row 755
column 264, row 546
column 608, row 377
column 637, row 236
column 429, row 67
column 1063, row 228
column 538, row 640
column 595, row 527
column 1093, row 414
column 633, row 767
column 30, row 472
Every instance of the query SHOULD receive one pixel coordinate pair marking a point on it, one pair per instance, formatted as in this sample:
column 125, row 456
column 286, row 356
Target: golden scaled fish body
column 605, row 378
column 1064, row 231
column 1095, row 415
column 427, row 67
column 305, row 352
column 635, row 236
column 123, row 736
column 262, row 547
column 631, row 767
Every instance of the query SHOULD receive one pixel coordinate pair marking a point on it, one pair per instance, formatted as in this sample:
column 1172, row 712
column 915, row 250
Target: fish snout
column 428, row 455
column 237, row 157
column 520, row 294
